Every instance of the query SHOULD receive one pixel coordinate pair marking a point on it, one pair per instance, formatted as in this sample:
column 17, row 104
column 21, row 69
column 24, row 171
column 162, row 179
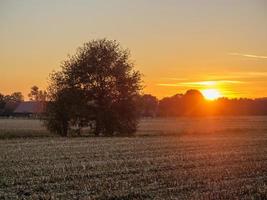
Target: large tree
column 98, row 87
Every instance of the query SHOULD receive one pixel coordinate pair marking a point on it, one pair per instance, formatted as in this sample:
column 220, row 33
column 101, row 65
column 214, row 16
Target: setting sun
column 211, row 94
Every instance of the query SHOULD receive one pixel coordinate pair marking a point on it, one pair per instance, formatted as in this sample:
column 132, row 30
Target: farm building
column 29, row 108
column 9, row 108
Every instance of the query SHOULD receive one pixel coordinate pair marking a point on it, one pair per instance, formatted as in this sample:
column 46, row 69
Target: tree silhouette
column 14, row 97
column 37, row 95
column 10, row 102
column 2, row 103
column 148, row 105
column 97, row 86
column 193, row 103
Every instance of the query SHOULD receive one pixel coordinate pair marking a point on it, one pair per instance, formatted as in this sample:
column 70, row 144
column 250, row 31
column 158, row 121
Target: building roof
column 31, row 107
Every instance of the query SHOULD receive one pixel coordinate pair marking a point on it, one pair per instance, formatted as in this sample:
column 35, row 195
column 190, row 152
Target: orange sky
column 177, row 45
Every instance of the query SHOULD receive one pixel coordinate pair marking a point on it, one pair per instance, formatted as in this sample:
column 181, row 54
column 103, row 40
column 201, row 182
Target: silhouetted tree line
column 8, row 103
column 192, row 103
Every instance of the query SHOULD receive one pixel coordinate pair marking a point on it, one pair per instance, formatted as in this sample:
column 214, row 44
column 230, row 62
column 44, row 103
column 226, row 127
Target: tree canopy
column 95, row 87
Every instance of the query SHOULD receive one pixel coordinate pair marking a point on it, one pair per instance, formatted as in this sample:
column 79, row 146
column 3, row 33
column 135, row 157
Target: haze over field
column 178, row 45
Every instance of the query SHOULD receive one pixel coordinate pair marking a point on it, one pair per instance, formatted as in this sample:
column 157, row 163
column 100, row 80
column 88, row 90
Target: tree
column 2, row 100
column 10, row 102
column 97, row 86
column 37, row 95
column 14, row 97
column 33, row 95
column 148, row 105
column 193, row 103
column 68, row 109
column 2, row 103
column 170, row 106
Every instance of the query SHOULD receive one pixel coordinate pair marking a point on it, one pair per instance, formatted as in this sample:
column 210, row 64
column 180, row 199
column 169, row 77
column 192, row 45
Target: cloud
column 238, row 75
column 230, row 81
column 248, row 55
column 176, row 79
column 169, row 84
column 215, row 80
column 210, row 83
column 201, row 83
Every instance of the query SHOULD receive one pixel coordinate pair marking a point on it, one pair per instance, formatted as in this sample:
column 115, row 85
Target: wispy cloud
column 175, row 79
column 216, row 80
column 201, row 83
column 239, row 75
column 248, row 55
column 169, row 84
column 230, row 81
column 210, row 83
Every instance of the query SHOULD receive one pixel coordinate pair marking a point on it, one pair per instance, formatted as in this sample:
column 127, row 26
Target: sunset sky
column 176, row 44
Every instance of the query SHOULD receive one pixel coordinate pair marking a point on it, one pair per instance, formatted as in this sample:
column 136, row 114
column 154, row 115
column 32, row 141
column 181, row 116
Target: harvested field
column 166, row 160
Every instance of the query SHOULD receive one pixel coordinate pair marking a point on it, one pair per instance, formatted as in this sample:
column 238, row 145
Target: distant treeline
column 192, row 103
column 8, row 103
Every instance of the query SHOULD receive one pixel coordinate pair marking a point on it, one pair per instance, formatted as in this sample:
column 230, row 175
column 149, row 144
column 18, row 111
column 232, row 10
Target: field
column 196, row 158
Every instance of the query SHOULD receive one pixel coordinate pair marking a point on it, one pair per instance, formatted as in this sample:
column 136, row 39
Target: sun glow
column 211, row 94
